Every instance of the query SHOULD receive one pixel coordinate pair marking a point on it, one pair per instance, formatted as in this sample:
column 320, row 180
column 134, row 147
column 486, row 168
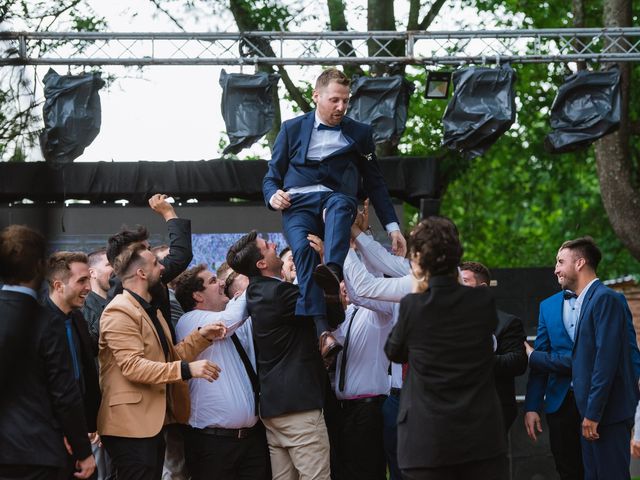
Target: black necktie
column 322, row 126
column 343, row 365
column 567, row 294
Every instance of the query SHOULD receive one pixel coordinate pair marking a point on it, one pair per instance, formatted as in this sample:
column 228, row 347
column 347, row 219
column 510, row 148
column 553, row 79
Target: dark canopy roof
column 408, row 179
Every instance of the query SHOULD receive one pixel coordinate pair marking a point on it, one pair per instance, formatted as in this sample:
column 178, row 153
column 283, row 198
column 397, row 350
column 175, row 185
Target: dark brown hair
column 126, row 236
column 187, row 283
column 244, row 254
column 481, row 272
column 435, row 241
column 22, row 254
column 94, row 257
column 585, row 247
column 127, row 258
column 59, row 265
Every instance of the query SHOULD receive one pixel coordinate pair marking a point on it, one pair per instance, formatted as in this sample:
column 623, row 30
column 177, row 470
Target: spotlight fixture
column 437, row 85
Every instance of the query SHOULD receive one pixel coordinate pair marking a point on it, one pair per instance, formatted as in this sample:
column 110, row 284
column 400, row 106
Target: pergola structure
column 321, row 48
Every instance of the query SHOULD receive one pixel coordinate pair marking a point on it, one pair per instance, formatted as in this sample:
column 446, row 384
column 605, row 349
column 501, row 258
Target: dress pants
column 304, row 216
column 361, row 439
column 488, row 469
column 608, row 457
column 298, row 446
column 136, row 458
column 174, row 467
column 220, row 457
column 564, row 438
column 390, row 433
column 29, row 472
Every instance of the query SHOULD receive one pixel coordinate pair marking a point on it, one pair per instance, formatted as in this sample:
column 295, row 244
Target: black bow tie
column 567, row 294
column 322, row 126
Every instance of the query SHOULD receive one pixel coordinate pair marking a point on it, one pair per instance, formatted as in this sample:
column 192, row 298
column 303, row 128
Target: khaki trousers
column 298, row 446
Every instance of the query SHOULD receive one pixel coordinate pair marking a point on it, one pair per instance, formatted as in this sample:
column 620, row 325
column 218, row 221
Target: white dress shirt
column 365, row 285
column 378, row 257
column 367, row 370
column 228, row 402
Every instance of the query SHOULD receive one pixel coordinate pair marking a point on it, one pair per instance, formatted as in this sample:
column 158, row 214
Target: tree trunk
column 613, row 155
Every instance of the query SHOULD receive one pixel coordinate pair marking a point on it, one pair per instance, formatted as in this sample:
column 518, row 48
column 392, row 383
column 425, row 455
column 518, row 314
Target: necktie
column 343, row 366
column 567, row 294
column 322, row 126
column 72, row 347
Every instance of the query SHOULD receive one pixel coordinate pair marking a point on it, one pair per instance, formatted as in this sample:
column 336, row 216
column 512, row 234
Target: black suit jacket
column 511, row 361
column 449, row 410
column 292, row 377
column 176, row 262
column 87, row 356
column 40, row 401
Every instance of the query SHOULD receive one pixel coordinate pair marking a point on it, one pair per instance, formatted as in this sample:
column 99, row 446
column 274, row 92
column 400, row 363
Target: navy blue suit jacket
column 341, row 171
column 604, row 361
column 552, row 337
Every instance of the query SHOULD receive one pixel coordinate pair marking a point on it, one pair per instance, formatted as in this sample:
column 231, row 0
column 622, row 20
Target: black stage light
column 437, row 85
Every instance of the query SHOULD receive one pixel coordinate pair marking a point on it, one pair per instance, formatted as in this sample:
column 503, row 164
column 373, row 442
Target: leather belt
column 238, row 433
column 360, row 401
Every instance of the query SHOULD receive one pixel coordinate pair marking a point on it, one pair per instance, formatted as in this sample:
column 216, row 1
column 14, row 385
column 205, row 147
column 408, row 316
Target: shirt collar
column 20, row 289
column 143, row 303
column 583, row 294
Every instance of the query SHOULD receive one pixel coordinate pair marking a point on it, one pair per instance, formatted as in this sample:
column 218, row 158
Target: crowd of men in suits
column 334, row 359
column 262, row 400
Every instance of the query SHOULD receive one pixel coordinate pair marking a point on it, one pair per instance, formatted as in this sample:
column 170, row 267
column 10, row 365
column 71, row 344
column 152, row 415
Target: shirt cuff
column 186, row 372
column 392, row 227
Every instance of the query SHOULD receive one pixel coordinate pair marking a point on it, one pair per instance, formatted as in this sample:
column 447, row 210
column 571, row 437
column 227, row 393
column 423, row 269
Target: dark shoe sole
column 327, row 280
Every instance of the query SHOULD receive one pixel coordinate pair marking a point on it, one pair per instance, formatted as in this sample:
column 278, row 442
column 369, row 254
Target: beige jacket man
column 141, row 391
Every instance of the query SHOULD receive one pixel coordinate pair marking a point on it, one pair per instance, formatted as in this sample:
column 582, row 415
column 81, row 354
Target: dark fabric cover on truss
column 72, row 115
column 248, row 107
column 586, row 108
column 382, row 102
column 408, row 179
column 482, row 108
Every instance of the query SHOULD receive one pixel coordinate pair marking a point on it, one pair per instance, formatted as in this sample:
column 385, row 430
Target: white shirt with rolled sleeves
column 365, row 285
column 367, row 365
column 378, row 258
column 228, row 402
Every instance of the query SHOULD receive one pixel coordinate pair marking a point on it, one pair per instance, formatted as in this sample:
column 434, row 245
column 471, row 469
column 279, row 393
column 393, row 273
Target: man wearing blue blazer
column 318, row 163
column 602, row 363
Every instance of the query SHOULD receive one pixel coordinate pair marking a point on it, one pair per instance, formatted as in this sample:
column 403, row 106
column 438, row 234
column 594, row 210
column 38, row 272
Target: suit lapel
column 145, row 317
column 584, row 307
column 305, row 132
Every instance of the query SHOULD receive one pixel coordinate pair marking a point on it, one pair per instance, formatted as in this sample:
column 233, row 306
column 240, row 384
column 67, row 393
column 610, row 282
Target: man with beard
column 142, row 373
column 100, row 271
column 601, row 362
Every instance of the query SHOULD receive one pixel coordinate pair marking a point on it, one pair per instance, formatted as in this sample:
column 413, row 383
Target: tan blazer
column 139, row 387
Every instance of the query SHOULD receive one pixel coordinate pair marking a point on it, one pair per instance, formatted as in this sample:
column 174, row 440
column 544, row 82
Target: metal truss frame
column 321, row 48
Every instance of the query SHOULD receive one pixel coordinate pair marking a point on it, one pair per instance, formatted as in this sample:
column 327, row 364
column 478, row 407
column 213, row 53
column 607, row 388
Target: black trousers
column 214, row 457
column 361, row 449
column 564, row 438
column 29, row 472
column 488, row 469
column 136, row 458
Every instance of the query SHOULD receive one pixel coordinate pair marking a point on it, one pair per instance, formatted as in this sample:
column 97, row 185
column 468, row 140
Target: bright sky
column 173, row 112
